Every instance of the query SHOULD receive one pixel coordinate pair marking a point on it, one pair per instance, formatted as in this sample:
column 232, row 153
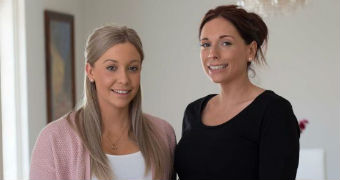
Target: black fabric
column 261, row 142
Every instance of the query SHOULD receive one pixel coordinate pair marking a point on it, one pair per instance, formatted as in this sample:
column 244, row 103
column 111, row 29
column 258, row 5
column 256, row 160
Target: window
column 13, row 90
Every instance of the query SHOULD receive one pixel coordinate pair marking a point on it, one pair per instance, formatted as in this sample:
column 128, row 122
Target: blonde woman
column 108, row 137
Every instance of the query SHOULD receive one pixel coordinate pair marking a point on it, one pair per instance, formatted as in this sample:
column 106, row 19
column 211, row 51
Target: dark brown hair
column 249, row 25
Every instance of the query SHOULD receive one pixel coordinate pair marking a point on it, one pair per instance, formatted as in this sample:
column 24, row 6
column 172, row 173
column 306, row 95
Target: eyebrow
column 110, row 60
column 115, row 61
column 221, row 37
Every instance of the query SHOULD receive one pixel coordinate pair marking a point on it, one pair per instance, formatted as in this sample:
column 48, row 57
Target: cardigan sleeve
column 172, row 145
column 42, row 162
column 279, row 144
column 171, row 138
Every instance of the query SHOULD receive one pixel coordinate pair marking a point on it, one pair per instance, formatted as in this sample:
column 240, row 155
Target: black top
column 261, row 142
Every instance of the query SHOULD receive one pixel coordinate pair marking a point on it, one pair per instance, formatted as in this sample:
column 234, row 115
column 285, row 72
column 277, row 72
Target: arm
column 279, row 146
column 171, row 140
column 185, row 122
column 42, row 163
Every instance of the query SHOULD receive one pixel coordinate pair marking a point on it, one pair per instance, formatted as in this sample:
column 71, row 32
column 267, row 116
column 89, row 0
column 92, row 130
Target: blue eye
column 133, row 68
column 226, row 43
column 111, row 68
column 204, row 45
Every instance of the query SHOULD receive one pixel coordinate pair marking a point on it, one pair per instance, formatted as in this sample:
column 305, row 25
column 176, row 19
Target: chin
column 120, row 105
column 217, row 79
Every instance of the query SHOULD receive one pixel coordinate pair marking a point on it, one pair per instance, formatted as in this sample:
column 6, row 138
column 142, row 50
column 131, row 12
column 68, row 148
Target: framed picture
column 60, row 80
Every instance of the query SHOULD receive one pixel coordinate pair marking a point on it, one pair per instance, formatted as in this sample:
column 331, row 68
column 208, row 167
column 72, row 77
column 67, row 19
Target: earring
column 91, row 80
column 250, row 59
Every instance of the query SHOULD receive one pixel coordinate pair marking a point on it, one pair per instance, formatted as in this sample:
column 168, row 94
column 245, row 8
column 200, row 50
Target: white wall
column 36, row 57
column 303, row 58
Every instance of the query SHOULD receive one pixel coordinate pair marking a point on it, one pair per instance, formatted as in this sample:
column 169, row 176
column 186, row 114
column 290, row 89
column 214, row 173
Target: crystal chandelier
column 272, row 7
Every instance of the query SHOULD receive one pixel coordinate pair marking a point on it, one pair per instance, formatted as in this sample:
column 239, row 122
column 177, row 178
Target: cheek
column 107, row 78
column 203, row 56
column 101, row 78
column 242, row 54
column 241, row 59
column 135, row 78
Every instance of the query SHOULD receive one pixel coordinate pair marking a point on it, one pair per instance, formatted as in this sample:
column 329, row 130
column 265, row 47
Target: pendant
column 114, row 147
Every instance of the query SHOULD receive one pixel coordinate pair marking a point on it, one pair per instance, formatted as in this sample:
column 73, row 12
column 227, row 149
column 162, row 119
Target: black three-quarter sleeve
column 185, row 120
column 279, row 142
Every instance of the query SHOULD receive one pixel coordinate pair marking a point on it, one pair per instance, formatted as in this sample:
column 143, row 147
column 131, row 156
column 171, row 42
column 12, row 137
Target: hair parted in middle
column 88, row 118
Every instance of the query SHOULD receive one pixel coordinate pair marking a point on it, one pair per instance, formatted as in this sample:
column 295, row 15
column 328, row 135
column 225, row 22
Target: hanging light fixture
column 272, row 7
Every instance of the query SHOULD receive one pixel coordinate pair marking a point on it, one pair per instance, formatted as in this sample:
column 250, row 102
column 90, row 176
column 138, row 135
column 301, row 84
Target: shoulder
column 60, row 125
column 163, row 127
column 59, row 130
column 58, row 152
column 275, row 101
column 280, row 111
column 279, row 118
column 55, row 127
column 159, row 123
column 59, row 138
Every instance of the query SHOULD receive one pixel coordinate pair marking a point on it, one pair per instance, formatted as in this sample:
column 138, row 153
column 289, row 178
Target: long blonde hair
column 88, row 118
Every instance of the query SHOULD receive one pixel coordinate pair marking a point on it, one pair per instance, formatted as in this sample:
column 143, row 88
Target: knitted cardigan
column 60, row 154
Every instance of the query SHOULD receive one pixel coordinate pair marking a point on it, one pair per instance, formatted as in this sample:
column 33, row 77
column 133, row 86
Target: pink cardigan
column 60, row 154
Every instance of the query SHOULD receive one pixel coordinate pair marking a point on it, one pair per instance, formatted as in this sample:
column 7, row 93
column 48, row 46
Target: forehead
column 121, row 52
column 217, row 27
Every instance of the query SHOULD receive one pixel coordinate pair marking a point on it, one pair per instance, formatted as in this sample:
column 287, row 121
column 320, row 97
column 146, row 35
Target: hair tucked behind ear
column 88, row 118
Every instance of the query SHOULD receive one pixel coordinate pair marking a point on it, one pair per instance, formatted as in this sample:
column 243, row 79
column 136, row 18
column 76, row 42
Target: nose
column 213, row 52
column 123, row 77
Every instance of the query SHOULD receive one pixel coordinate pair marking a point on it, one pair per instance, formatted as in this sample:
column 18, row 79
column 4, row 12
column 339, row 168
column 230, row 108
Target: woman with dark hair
column 244, row 132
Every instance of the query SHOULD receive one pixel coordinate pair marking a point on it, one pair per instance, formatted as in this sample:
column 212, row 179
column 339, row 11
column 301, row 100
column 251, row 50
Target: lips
column 121, row 91
column 217, row 67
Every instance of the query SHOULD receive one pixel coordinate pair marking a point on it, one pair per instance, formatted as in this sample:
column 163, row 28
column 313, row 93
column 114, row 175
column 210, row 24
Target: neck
column 236, row 90
column 114, row 120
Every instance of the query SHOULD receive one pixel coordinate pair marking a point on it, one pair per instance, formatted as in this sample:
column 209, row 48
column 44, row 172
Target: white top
column 128, row 167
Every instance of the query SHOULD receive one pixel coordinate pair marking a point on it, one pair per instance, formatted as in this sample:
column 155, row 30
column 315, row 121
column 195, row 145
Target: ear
column 252, row 51
column 89, row 72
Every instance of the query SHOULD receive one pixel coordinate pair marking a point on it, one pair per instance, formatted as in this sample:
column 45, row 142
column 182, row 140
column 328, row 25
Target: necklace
column 114, row 145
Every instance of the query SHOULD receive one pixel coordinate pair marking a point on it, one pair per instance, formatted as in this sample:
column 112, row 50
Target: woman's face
column 116, row 75
column 224, row 53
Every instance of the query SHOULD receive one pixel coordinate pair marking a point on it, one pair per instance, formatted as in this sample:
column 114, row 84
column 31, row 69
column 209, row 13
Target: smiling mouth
column 218, row 67
column 122, row 92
